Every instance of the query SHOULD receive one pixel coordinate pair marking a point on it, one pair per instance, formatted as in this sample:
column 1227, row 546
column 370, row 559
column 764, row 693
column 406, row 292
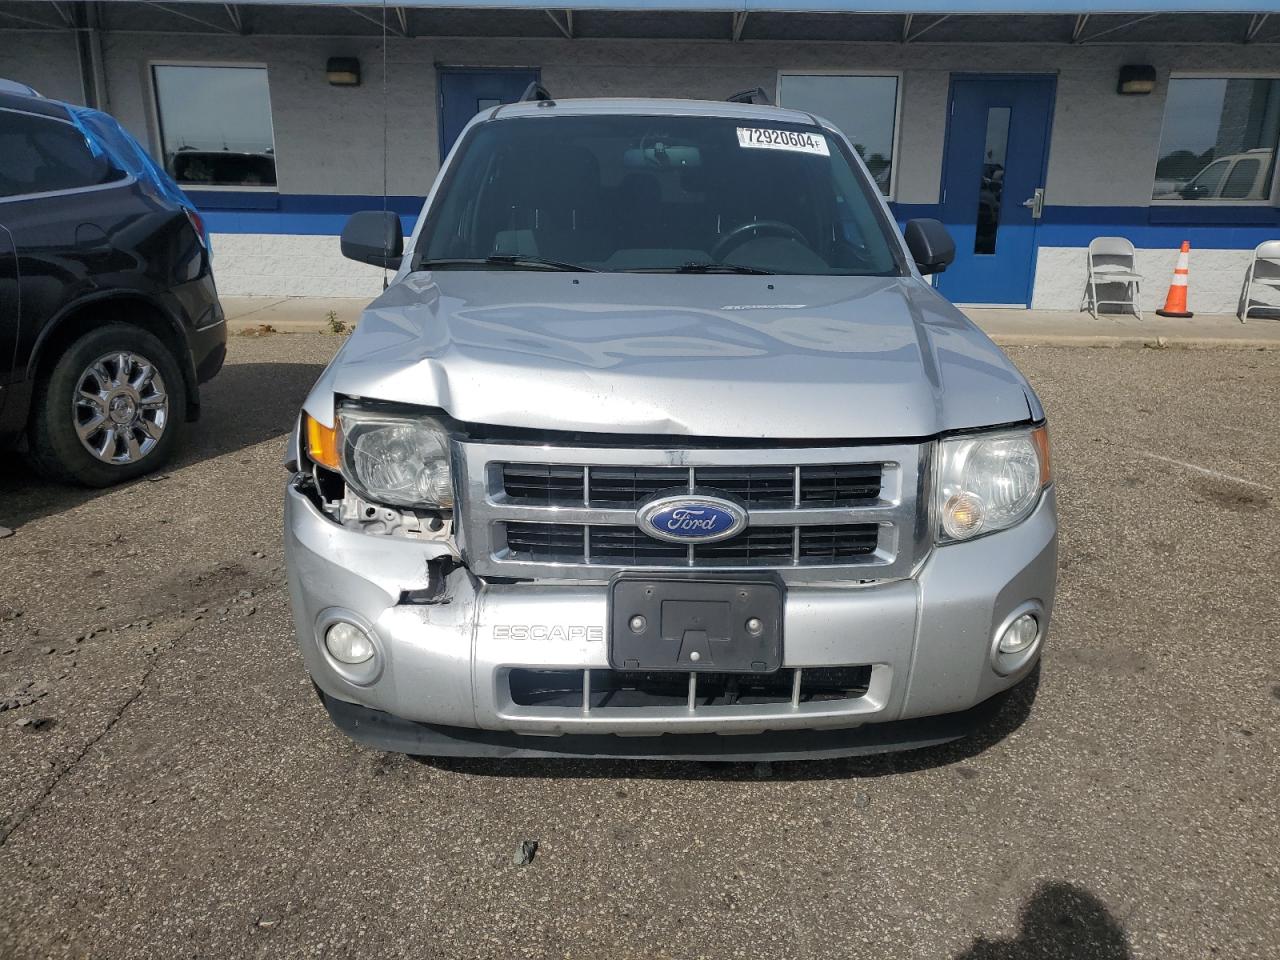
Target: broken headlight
column 397, row 460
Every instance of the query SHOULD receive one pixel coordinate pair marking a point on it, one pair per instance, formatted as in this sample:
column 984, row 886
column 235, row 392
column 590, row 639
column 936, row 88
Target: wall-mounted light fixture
column 343, row 71
column 1136, row 79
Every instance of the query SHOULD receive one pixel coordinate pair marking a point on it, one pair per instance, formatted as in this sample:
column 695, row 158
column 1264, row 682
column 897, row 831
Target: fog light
column 1020, row 634
column 348, row 643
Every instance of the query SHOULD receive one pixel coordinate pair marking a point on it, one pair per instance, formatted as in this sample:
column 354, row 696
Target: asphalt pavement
column 170, row 787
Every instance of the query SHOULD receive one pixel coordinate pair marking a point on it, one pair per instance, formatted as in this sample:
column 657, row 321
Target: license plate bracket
column 695, row 624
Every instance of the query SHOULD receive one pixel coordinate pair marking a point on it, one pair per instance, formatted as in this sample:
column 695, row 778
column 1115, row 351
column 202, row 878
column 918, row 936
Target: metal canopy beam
column 565, row 26
column 19, row 18
column 1070, row 26
column 186, row 16
column 1118, row 26
column 65, row 12
column 895, row 7
column 1255, row 26
column 377, row 21
column 908, row 36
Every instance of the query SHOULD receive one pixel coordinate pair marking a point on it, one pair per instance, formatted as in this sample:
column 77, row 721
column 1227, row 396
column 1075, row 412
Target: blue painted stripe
column 1209, row 226
column 1214, row 227
column 308, row 214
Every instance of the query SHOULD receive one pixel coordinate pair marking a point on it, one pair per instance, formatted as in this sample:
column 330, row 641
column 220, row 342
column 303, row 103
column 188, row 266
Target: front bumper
column 387, row 732
column 928, row 641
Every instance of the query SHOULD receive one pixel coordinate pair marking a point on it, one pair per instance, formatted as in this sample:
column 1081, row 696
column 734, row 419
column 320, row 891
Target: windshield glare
column 661, row 194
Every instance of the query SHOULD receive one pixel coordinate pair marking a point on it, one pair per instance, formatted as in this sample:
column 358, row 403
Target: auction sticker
column 798, row 141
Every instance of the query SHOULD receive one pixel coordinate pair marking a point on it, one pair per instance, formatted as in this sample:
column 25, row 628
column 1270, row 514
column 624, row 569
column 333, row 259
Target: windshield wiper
column 506, row 260
column 697, row 266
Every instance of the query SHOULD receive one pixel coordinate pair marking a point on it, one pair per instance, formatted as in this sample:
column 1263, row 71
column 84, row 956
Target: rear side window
column 42, row 155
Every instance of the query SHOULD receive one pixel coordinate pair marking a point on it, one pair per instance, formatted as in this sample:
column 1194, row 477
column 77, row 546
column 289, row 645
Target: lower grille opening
column 727, row 689
column 546, row 688
column 616, row 688
column 623, row 689
column 834, row 683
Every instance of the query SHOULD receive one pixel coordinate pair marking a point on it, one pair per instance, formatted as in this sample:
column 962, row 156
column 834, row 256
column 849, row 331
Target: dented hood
column 773, row 357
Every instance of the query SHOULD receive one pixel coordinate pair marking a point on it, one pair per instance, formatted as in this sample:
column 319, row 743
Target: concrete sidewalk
column 249, row 316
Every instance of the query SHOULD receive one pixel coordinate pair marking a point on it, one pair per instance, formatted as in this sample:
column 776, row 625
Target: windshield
column 657, row 194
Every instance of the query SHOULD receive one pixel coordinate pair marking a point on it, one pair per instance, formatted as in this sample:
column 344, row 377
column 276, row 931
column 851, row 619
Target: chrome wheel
column 120, row 407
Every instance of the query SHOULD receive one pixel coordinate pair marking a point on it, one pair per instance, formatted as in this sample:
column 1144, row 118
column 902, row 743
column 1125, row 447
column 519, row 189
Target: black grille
column 840, row 484
column 629, row 546
column 759, row 487
column 834, row 683
column 631, row 486
column 620, row 689
column 761, row 546
column 755, row 487
column 838, row 544
column 545, row 542
column 539, row 484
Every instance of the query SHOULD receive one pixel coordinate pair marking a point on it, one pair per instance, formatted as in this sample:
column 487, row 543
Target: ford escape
column 658, row 443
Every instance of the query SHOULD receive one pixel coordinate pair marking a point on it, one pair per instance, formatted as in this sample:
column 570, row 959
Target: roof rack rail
column 536, row 93
column 756, row 95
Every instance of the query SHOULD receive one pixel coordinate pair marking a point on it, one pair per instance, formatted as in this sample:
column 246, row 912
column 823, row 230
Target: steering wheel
column 738, row 235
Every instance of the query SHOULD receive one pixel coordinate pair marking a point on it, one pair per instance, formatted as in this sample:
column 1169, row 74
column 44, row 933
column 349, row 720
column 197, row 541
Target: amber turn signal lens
column 1040, row 437
column 322, row 442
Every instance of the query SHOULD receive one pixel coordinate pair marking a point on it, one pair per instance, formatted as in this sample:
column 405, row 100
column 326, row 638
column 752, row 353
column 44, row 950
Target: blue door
column 993, row 174
column 464, row 92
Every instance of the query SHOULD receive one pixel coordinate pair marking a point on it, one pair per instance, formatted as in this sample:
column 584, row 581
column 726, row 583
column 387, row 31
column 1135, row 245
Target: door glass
column 991, row 189
column 1206, row 184
column 44, row 155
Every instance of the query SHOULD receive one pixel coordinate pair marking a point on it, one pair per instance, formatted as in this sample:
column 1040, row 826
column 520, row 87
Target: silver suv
column 659, row 444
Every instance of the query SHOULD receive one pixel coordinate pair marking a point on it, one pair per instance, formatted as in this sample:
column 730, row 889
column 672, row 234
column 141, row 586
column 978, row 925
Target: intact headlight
column 397, row 460
column 989, row 482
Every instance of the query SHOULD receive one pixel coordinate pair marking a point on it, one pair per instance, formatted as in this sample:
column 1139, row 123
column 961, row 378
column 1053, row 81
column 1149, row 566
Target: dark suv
column 109, row 319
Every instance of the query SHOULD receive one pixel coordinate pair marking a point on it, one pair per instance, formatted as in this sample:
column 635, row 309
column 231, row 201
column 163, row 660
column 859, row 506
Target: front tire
column 110, row 410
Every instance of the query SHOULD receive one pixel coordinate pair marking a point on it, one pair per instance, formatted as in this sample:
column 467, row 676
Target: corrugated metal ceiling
column 1045, row 21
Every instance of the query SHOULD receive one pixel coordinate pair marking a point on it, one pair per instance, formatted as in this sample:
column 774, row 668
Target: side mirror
column 374, row 236
column 931, row 246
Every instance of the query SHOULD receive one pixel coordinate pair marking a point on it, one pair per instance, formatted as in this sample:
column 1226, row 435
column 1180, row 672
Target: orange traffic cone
column 1175, row 305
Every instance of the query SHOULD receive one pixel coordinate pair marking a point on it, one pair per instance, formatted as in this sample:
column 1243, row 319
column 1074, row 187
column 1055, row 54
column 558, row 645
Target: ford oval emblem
column 691, row 519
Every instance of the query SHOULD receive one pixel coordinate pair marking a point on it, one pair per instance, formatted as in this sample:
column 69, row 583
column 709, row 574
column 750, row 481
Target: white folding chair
column 1264, row 271
column 1113, row 260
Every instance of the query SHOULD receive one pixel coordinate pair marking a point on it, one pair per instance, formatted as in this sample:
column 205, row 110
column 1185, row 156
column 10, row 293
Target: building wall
column 46, row 61
column 329, row 139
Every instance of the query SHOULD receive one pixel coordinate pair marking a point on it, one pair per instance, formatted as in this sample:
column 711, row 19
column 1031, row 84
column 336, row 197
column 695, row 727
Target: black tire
column 56, row 450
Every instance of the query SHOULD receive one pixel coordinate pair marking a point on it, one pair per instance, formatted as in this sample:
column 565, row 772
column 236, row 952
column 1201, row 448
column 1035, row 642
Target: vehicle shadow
column 244, row 405
column 1012, row 714
column 1058, row 921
